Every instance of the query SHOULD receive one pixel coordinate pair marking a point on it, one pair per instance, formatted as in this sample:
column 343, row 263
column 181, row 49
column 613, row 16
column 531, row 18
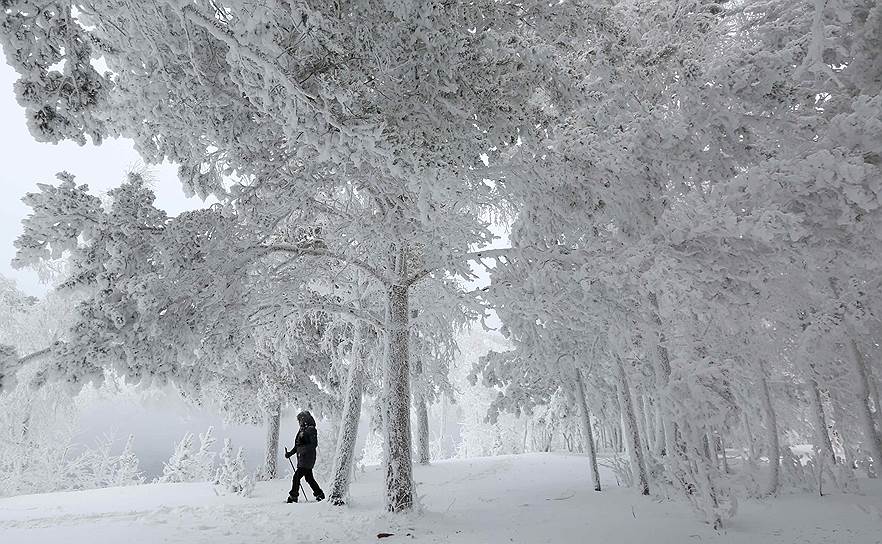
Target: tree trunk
column 587, row 434
column 823, row 444
column 874, row 394
column 695, row 442
column 343, row 460
column 863, row 391
column 842, row 433
column 648, row 423
column 617, row 438
column 773, row 449
column 722, row 449
column 865, row 416
column 422, row 417
column 638, row 463
column 660, row 446
column 751, row 440
column 396, row 386
column 641, row 423
column 663, row 375
column 445, row 422
column 271, row 452
column 708, row 452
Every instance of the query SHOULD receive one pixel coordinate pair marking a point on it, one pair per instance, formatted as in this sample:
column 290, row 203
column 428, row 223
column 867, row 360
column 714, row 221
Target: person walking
column 305, row 444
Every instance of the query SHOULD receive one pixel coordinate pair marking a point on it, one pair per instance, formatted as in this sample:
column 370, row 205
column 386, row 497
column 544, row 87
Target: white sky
column 24, row 163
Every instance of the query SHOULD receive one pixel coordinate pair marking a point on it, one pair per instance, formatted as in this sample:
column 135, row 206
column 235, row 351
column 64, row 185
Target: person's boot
column 320, row 496
column 290, row 499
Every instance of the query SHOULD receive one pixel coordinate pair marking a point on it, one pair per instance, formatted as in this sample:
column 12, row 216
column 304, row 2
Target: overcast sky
column 24, row 163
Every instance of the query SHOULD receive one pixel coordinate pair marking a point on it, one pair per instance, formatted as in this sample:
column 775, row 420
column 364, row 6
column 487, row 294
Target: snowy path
column 528, row 499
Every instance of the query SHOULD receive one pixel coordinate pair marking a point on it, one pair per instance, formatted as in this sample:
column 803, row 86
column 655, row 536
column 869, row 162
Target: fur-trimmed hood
column 305, row 419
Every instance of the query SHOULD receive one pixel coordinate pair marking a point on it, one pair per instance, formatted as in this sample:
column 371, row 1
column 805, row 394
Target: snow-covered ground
column 532, row 498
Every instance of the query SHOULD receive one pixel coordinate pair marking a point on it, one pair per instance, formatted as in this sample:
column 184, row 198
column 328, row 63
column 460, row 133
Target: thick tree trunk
column 631, row 431
column 271, row 451
column 773, row 449
column 587, row 434
column 396, row 386
column 345, row 455
column 422, row 417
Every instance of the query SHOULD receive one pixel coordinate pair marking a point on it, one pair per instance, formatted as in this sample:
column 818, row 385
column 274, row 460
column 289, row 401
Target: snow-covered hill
column 535, row 498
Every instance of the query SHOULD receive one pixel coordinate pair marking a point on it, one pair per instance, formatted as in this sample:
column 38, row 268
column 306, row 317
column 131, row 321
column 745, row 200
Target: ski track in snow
column 536, row 498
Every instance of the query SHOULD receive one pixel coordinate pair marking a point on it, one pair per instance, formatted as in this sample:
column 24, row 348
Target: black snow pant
column 305, row 473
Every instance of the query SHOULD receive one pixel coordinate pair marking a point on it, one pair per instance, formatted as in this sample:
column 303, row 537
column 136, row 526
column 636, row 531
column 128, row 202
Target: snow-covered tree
column 188, row 464
column 397, row 130
column 181, row 465
column 693, row 189
column 679, row 216
column 127, row 470
column 232, row 476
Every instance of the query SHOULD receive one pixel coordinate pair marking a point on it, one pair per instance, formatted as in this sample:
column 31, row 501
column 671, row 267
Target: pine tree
column 127, row 469
column 231, row 475
column 203, row 460
column 182, row 466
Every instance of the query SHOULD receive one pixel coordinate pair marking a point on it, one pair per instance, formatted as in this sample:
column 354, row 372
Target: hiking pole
column 301, row 483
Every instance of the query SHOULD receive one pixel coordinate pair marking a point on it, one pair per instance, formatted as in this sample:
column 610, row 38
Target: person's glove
column 288, row 454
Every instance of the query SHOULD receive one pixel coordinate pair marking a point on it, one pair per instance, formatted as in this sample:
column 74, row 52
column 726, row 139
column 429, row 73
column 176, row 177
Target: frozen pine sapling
column 232, row 477
column 181, row 466
column 127, row 467
column 204, row 458
column 187, row 465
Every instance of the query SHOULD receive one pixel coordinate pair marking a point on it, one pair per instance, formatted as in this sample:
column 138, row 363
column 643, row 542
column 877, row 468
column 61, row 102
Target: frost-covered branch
column 326, row 307
column 225, row 35
column 320, row 252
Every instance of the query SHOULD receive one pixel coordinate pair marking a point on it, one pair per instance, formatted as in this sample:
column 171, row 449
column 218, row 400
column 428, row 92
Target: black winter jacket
column 305, row 444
